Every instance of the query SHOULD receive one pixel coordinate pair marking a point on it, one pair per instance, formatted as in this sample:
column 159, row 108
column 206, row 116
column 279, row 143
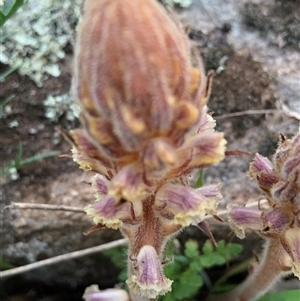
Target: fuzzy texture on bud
column 145, row 129
column 142, row 100
column 134, row 81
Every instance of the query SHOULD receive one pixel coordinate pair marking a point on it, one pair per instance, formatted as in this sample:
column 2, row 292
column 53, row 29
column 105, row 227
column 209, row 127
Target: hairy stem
column 262, row 278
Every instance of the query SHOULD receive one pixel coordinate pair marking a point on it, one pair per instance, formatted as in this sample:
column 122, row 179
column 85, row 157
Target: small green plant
column 8, row 72
column 118, row 256
column 3, row 103
column 18, row 162
column 188, row 269
column 8, row 8
column 5, row 265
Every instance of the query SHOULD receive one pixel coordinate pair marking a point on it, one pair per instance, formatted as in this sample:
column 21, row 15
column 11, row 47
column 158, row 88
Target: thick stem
column 151, row 230
column 263, row 277
column 145, row 255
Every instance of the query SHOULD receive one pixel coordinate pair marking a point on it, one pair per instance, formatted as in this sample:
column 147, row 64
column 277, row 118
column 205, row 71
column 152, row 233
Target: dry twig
column 89, row 251
column 242, row 113
column 44, row 207
column 60, row 258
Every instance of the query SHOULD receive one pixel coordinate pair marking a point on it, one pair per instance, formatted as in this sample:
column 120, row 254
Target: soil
column 241, row 84
column 279, row 22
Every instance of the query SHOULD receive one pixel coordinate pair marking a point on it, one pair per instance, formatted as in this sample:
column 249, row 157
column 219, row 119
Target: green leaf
column 181, row 259
column 220, row 245
column 191, row 249
column 6, row 101
column 117, row 256
column 168, row 297
column 218, row 259
column 173, row 270
column 122, row 277
column 9, row 71
column 8, row 9
column 207, row 260
column 234, row 249
column 196, row 265
column 200, row 180
column 293, row 295
column 5, row 265
column 17, row 163
column 208, row 247
column 7, row 6
column 18, row 159
column 231, row 250
column 188, row 285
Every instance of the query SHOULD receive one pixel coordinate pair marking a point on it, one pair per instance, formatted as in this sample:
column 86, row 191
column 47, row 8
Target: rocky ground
column 254, row 48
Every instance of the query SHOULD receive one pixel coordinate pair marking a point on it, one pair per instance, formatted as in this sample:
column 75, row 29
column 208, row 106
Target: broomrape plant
column 145, row 130
column 279, row 224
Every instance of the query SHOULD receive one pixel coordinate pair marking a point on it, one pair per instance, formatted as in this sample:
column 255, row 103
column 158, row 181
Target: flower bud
column 133, row 75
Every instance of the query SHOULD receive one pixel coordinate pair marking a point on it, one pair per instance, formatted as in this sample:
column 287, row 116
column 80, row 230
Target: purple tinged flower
column 87, row 154
column 92, row 293
column 283, row 152
column 280, row 182
column 292, row 166
column 188, row 205
column 241, row 218
column 262, row 171
column 128, row 184
column 287, row 190
column 142, row 103
column 147, row 279
column 207, row 123
column 109, row 212
column 99, row 185
column 158, row 158
column 276, row 221
column 198, row 151
column 290, row 241
column 86, row 163
column 259, row 164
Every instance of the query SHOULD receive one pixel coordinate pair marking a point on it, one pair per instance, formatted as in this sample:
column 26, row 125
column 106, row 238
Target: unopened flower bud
column 133, row 75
